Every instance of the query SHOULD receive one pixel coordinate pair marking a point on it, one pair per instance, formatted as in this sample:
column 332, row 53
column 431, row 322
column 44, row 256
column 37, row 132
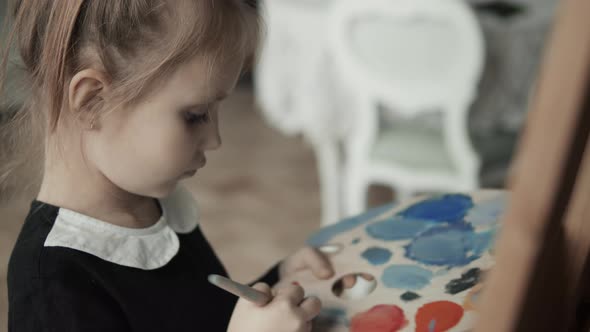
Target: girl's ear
column 86, row 89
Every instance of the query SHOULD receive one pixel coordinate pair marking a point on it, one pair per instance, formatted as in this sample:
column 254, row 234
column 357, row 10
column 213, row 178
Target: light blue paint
column 480, row 242
column 446, row 208
column 488, row 212
column 452, row 245
column 410, row 277
column 441, row 272
column 327, row 233
column 475, row 297
column 377, row 256
column 398, row 228
column 432, row 325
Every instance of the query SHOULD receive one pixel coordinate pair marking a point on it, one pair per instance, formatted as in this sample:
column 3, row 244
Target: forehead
column 203, row 78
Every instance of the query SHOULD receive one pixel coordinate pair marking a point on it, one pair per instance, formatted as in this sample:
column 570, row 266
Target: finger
column 318, row 263
column 263, row 287
column 293, row 293
column 367, row 276
column 311, row 307
column 349, row 281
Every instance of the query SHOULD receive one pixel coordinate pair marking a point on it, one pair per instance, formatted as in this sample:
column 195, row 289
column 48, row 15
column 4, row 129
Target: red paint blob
column 380, row 318
column 438, row 316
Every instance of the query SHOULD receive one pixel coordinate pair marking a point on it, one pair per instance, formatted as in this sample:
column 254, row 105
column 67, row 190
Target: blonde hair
column 136, row 43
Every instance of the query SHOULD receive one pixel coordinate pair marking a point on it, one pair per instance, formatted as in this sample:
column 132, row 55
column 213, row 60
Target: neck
column 71, row 182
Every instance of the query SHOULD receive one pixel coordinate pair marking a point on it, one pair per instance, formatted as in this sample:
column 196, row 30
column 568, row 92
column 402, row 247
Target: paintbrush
column 240, row 290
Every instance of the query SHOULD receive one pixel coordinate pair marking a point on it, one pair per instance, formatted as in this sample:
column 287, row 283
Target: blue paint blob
column 487, row 212
column 480, row 242
column 398, row 228
column 327, row 233
column 356, row 240
column 330, row 318
column 410, row 277
column 446, row 208
column 453, row 245
column 337, row 312
column 376, row 255
column 475, row 296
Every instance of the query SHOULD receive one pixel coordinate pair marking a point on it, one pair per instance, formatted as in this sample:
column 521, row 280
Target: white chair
column 406, row 56
column 293, row 87
column 293, row 31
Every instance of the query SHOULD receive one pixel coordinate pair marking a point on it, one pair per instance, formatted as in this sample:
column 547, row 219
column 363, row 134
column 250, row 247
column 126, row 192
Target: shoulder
column 31, row 261
column 28, row 250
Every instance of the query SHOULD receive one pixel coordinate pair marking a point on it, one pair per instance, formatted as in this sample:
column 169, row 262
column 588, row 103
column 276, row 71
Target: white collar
column 143, row 248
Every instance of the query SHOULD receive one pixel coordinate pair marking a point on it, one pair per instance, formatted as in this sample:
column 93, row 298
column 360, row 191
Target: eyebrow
column 218, row 97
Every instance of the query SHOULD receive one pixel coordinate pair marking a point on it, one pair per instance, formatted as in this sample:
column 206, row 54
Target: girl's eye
column 192, row 118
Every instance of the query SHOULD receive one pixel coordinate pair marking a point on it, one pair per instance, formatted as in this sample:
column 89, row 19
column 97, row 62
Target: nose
column 213, row 142
column 212, row 138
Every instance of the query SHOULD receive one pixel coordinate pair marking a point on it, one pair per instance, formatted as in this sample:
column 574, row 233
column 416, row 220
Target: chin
column 163, row 191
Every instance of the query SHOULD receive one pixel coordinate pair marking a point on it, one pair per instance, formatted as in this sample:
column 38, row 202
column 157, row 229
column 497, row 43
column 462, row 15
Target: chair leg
column 355, row 192
column 329, row 170
column 461, row 149
column 401, row 194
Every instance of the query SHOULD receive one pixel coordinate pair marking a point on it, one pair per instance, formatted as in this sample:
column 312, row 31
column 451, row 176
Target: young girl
column 128, row 92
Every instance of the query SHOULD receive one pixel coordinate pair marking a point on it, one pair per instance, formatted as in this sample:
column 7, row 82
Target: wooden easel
column 541, row 281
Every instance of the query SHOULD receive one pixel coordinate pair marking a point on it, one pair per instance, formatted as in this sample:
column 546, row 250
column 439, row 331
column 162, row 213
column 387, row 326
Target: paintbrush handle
column 240, row 290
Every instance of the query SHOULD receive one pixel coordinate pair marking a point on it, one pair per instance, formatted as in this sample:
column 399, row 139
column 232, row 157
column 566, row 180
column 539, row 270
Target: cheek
column 145, row 155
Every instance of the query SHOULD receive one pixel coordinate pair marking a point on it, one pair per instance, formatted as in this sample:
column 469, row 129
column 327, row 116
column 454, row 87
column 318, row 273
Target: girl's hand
column 288, row 311
column 317, row 261
column 307, row 258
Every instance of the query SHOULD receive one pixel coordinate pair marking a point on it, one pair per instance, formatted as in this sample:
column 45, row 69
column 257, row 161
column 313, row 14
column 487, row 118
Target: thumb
column 264, row 288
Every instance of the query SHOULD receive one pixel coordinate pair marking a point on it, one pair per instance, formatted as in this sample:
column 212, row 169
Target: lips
column 202, row 163
column 191, row 173
column 194, row 171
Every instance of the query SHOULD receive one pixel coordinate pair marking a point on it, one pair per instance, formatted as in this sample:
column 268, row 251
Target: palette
column 418, row 265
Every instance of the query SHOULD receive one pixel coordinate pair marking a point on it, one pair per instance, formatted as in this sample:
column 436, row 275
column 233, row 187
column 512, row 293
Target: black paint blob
column 467, row 280
column 409, row 296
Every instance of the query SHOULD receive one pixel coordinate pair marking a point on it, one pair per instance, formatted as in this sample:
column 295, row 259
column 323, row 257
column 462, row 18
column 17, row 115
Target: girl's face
column 146, row 149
